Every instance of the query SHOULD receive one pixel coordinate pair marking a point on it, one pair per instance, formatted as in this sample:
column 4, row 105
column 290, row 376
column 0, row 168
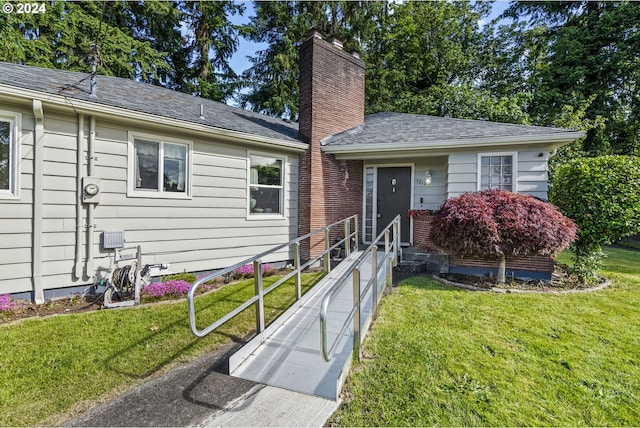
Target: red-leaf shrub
column 497, row 223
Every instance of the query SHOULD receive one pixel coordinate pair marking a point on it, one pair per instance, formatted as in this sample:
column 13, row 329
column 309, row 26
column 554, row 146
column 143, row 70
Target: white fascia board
column 551, row 140
column 91, row 108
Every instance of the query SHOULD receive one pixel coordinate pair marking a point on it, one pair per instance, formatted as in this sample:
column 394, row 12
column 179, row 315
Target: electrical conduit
column 77, row 266
column 89, row 269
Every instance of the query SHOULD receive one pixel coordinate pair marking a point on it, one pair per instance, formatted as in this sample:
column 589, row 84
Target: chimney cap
column 336, row 41
column 314, row 33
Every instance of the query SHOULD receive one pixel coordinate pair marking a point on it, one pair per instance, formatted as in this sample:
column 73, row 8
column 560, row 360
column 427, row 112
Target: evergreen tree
column 591, row 51
column 62, row 38
column 183, row 45
column 434, row 58
column 214, row 39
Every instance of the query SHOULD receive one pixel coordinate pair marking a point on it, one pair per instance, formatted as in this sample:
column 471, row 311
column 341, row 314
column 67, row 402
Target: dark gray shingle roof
column 410, row 129
column 381, row 128
column 145, row 98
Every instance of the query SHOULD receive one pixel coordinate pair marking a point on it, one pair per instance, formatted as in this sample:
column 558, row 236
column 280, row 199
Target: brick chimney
column 331, row 101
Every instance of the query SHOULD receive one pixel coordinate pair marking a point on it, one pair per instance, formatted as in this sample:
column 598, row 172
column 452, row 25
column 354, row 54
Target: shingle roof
column 145, row 98
column 413, row 129
column 381, row 128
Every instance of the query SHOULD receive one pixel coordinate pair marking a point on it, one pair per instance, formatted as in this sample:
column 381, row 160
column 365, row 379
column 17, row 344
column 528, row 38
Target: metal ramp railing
column 289, row 354
column 386, row 264
column 349, row 242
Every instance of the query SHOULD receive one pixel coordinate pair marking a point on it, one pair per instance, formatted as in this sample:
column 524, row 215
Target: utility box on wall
column 91, row 190
column 112, row 239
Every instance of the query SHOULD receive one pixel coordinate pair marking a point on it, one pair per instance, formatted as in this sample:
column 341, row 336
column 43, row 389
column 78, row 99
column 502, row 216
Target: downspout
column 89, row 269
column 77, row 266
column 38, row 162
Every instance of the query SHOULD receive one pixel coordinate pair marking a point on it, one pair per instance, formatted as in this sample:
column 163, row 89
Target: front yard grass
column 54, row 367
column 438, row 356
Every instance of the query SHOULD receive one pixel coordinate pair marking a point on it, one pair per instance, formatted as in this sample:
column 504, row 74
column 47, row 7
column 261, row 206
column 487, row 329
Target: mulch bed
column 67, row 305
column 76, row 304
column 561, row 281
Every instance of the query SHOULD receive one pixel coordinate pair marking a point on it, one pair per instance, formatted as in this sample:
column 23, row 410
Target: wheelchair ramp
column 287, row 354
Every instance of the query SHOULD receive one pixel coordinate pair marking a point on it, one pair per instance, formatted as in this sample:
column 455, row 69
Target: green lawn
column 56, row 366
column 442, row 356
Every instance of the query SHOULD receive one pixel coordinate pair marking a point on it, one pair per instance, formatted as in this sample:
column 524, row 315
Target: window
column 497, row 171
column 368, row 204
column 9, row 154
column 160, row 168
column 266, row 177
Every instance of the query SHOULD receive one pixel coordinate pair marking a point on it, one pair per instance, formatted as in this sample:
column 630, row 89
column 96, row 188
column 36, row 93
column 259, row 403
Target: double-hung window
column 266, row 185
column 160, row 168
column 497, row 171
column 9, row 154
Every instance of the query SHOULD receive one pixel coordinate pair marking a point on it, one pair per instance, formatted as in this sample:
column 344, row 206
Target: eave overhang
column 548, row 142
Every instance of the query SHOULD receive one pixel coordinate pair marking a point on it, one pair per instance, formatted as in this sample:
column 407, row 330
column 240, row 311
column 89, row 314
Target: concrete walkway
column 269, row 406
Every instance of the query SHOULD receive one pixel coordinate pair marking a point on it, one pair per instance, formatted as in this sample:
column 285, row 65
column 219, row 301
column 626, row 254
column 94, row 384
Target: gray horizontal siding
column 10, row 256
column 13, row 226
column 531, row 173
column 13, row 271
column 13, row 210
column 432, row 195
column 14, row 285
column 53, row 239
column 462, row 173
column 16, row 240
column 210, row 230
column 15, row 217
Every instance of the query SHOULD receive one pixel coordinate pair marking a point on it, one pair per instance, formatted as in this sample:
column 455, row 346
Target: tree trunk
column 502, row 267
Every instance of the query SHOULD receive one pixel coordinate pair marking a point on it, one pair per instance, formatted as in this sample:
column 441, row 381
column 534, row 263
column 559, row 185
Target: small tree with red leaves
column 500, row 224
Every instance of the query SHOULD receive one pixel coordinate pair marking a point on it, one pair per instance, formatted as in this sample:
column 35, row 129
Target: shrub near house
column 602, row 195
column 500, row 224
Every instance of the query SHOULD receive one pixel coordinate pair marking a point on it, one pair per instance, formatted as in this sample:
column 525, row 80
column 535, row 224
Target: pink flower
column 6, row 304
column 171, row 288
column 247, row 270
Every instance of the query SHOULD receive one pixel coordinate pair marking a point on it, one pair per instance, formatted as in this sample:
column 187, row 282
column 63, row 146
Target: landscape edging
column 598, row 287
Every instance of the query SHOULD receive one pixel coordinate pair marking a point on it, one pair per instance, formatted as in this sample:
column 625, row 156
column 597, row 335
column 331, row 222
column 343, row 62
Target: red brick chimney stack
column 331, row 101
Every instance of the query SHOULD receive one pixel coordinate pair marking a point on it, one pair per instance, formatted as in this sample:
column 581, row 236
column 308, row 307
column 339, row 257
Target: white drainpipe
column 77, row 266
column 38, row 162
column 89, row 269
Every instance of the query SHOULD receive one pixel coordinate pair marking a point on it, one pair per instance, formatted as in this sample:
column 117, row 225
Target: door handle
column 379, row 215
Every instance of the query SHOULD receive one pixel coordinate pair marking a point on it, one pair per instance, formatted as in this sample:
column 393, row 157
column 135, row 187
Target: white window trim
column 514, row 156
column 15, row 119
column 285, row 189
column 131, row 168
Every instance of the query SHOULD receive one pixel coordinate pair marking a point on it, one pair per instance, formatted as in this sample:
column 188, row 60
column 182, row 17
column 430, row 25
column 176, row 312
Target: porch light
column 427, row 178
